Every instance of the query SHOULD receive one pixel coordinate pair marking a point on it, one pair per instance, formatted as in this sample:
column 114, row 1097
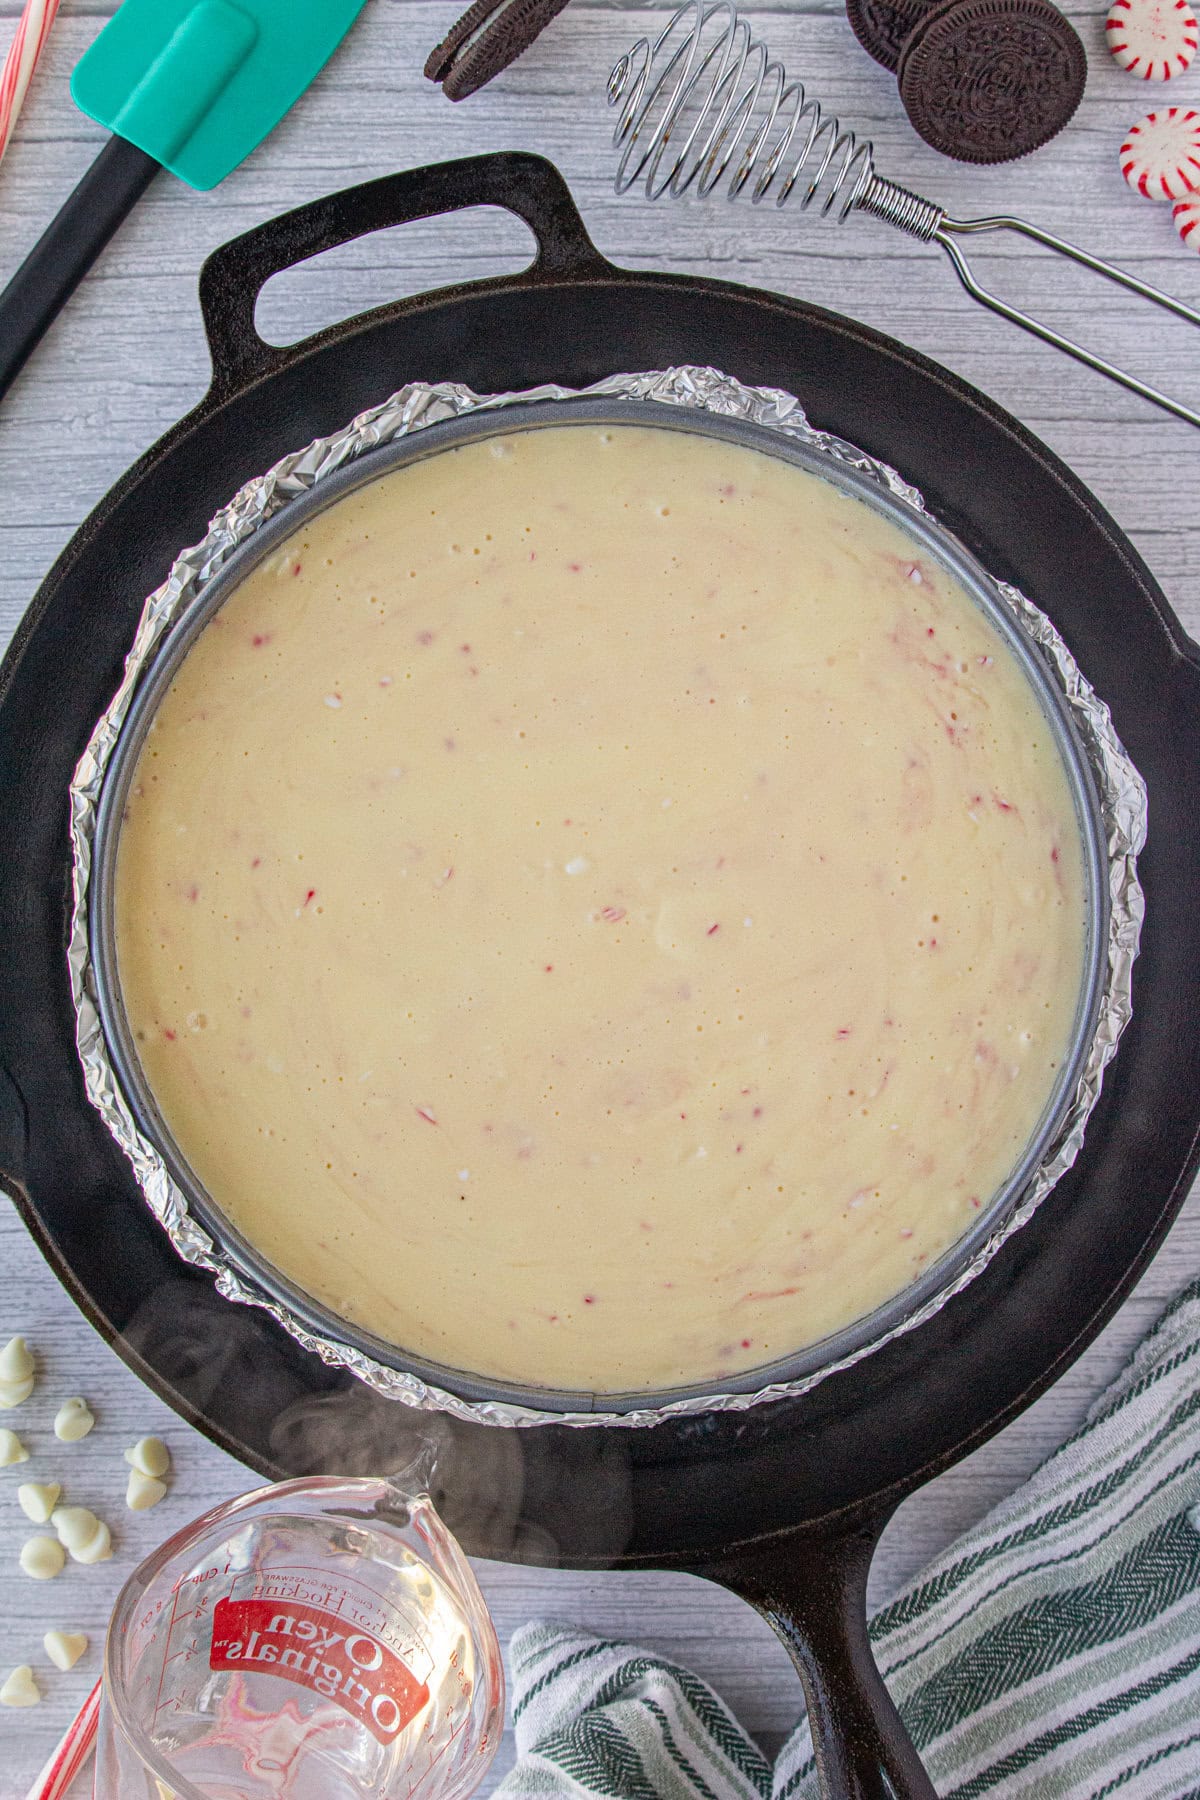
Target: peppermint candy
column 1152, row 38
column 1160, row 158
column 1186, row 214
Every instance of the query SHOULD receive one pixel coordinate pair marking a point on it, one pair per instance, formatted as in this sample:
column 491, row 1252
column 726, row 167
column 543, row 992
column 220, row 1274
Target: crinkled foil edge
column 411, row 409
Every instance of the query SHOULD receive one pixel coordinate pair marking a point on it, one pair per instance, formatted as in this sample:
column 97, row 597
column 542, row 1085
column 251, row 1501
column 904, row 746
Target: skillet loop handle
column 811, row 1587
column 233, row 276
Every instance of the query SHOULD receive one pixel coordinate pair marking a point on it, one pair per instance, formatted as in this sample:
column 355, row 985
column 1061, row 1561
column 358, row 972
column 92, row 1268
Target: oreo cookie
column 985, row 81
column 882, row 26
column 490, row 35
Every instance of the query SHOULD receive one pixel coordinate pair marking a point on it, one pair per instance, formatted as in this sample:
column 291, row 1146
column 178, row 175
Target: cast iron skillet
column 783, row 1504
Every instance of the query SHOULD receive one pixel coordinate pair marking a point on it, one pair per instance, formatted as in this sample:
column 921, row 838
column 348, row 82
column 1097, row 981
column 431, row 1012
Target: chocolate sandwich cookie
column 985, row 81
column 490, row 35
column 881, row 26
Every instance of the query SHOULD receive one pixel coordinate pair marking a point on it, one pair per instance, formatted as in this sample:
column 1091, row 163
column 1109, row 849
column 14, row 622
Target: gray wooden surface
column 128, row 358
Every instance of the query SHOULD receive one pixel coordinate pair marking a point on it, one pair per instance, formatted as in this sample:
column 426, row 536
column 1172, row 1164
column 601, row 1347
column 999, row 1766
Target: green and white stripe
column 1053, row 1653
column 599, row 1718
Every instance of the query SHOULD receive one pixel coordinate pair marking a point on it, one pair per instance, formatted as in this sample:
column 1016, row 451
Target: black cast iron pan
column 785, row 1503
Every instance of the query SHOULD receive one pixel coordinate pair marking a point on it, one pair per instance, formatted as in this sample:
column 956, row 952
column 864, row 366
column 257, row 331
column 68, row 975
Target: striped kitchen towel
column 1052, row 1653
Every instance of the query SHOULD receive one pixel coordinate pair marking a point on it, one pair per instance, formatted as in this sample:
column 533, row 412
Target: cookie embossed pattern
column 883, row 26
column 990, row 80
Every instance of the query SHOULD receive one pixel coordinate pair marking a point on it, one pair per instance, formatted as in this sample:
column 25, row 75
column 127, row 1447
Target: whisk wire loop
column 738, row 118
column 650, row 114
column 707, row 162
column 707, row 94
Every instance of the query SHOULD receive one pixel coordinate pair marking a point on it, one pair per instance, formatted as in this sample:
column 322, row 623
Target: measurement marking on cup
column 162, row 1673
column 426, row 1773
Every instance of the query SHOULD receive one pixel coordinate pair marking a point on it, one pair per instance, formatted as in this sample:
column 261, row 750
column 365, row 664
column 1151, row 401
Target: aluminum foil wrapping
column 1121, row 791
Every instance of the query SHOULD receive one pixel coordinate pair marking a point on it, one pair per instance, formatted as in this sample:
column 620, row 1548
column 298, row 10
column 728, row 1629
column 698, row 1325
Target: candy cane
column 33, row 28
column 71, row 1754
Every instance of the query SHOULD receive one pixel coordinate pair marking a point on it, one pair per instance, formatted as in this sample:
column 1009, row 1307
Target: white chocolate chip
column 12, row 1450
column 20, row 1689
column 16, row 1361
column 38, row 1500
column 73, row 1420
column 42, row 1558
column 64, row 1648
column 578, row 865
column 150, row 1455
column 14, row 1393
column 86, row 1537
column 97, row 1549
column 143, row 1491
column 74, row 1525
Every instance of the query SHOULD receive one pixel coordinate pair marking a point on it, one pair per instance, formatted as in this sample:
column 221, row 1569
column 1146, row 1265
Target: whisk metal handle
column 925, row 220
column 1005, row 222
column 948, row 230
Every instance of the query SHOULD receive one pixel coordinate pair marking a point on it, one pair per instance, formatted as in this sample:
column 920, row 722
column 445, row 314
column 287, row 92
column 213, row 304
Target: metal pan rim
column 534, row 412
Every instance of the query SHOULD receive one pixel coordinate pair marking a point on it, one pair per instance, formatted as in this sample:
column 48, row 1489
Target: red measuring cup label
column 320, row 1651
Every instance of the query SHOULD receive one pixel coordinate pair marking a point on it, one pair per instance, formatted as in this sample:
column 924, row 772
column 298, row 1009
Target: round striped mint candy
column 1186, row 214
column 1161, row 156
column 1152, row 38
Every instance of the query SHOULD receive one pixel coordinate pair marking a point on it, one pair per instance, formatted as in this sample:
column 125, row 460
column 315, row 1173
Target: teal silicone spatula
column 187, row 85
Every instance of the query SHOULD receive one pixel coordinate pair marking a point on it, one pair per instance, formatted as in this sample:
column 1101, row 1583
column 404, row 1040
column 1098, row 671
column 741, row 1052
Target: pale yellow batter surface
column 600, row 909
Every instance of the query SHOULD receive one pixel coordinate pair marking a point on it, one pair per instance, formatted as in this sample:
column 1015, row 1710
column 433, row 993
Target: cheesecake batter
column 600, row 908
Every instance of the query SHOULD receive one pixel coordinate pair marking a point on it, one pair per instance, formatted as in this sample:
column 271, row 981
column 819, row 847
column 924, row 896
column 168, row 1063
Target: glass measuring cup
column 320, row 1640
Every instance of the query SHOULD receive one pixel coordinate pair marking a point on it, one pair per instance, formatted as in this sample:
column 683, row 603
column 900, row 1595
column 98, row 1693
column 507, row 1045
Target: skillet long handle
column 811, row 1587
column 67, row 249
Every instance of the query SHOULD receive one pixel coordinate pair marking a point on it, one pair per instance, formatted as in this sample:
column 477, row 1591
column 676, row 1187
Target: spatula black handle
column 67, row 249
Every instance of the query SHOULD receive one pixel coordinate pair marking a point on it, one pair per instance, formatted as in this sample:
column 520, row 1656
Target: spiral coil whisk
column 709, row 89
column 706, row 101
